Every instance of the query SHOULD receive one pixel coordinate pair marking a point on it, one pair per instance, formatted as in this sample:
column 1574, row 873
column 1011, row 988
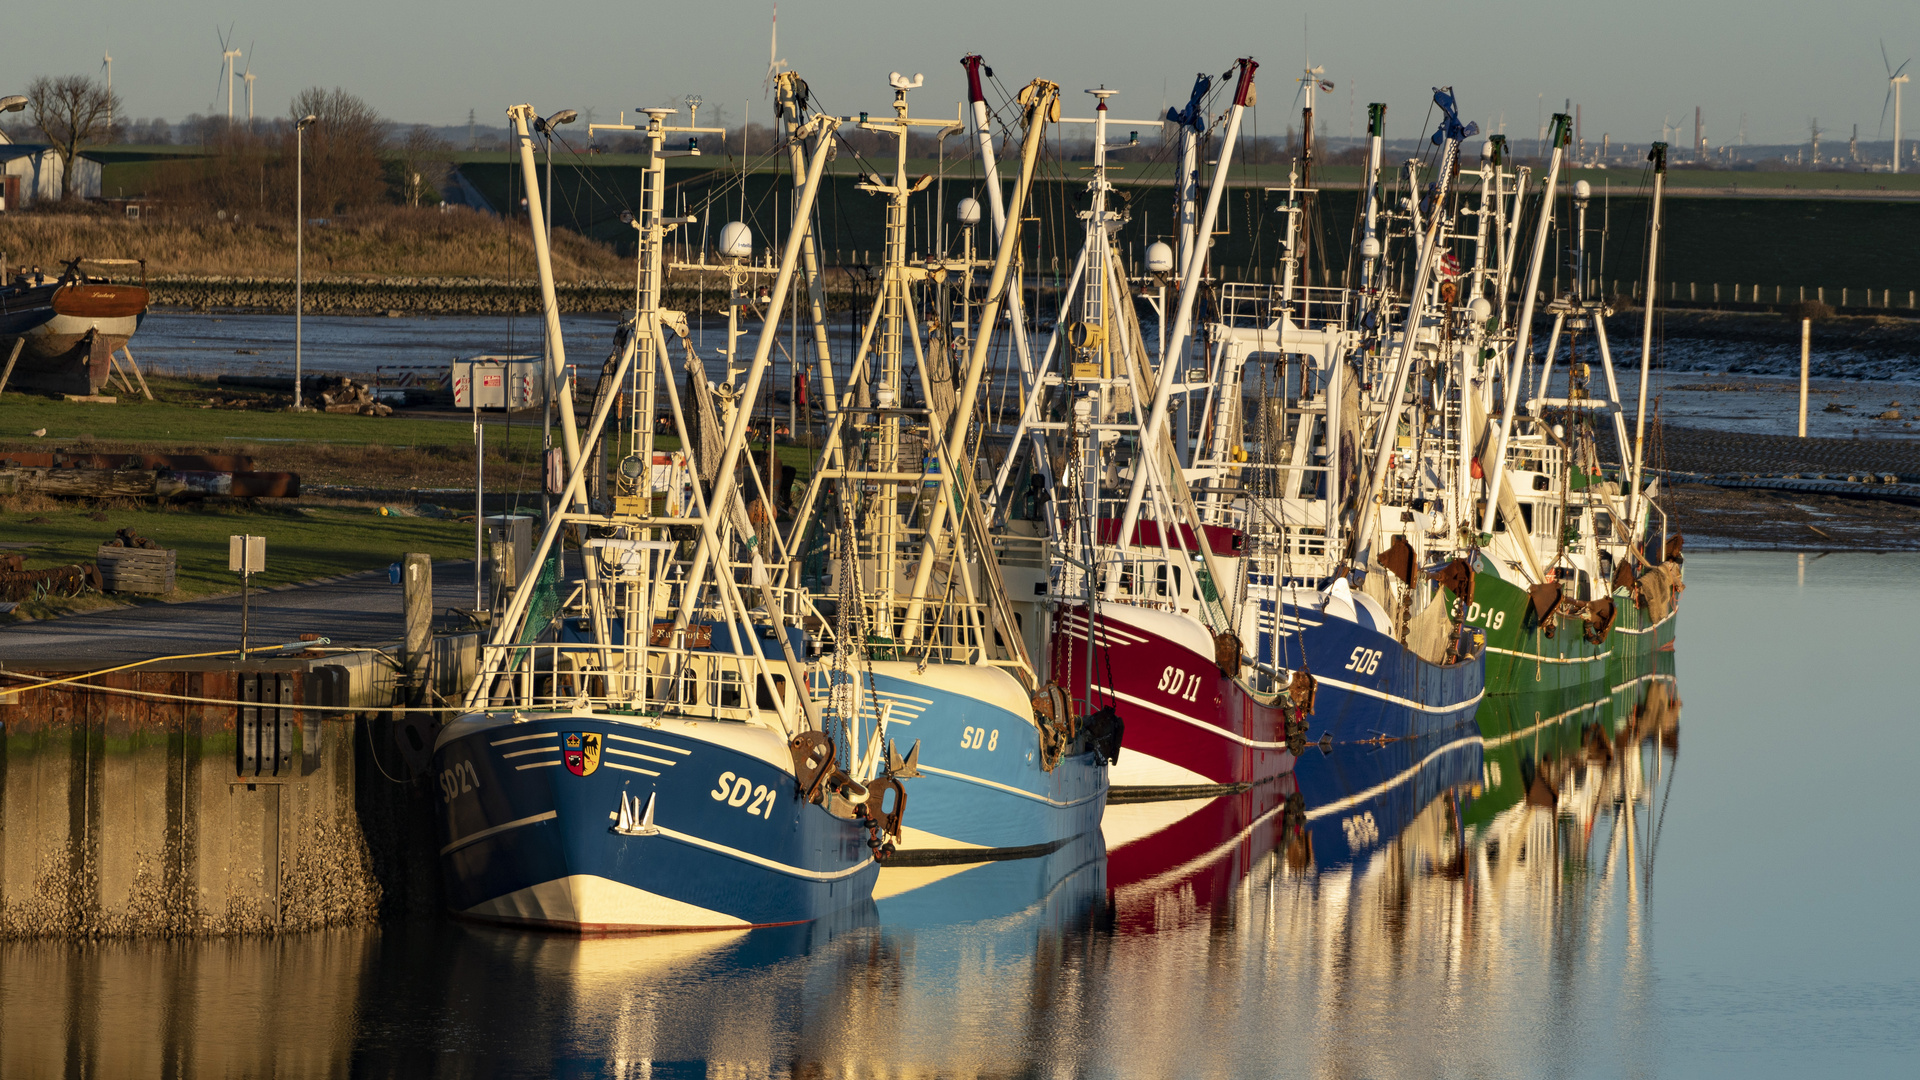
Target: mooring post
column 1806, row 340
column 417, row 580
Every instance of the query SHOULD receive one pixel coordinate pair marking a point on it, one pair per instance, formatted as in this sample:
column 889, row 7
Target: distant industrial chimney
column 1699, row 136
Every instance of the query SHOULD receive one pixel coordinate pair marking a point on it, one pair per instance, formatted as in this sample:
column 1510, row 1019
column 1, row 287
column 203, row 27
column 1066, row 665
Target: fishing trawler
column 1569, row 582
column 916, row 616
column 1225, row 625
column 635, row 753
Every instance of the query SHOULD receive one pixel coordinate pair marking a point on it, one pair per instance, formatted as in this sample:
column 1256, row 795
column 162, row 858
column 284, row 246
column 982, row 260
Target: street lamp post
column 545, row 127
column 299, row 240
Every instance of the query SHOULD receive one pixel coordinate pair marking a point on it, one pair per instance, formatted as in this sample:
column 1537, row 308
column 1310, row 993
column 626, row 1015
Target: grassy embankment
column 389, row 242
column 307, row 538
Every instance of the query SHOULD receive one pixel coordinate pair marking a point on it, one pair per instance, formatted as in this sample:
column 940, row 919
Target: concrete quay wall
column 133, row 816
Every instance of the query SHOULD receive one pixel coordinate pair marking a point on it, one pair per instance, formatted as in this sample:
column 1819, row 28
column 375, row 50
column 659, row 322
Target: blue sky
column 1631, row 64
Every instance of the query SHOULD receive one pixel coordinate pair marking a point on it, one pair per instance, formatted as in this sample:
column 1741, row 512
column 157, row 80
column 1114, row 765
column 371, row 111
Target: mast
column 793, row 103
column 543, row 258
column 725, row 486
column 1657, row 155
column 1192, row 122
column 1370, row 239
column 1561, row 132
column 983, row 133
column 1451, row 133
column 1243, row 98
column 1041, row 99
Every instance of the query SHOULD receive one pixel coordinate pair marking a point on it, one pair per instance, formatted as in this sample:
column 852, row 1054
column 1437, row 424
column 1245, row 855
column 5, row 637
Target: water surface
column 1562, row 892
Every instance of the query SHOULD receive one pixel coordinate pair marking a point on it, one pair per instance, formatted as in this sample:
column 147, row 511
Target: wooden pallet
column 135, row 570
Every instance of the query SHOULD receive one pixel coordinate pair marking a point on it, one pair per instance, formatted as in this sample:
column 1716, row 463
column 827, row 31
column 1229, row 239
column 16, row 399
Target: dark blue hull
column 1370, row 685
column 525, row 839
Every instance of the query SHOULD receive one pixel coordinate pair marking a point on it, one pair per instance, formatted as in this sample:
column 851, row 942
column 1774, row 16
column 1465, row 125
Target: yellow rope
column 135, row 664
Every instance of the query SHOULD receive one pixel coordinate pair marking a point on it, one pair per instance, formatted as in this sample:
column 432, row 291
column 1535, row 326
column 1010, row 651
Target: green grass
column 138, row 420
column 303, row 543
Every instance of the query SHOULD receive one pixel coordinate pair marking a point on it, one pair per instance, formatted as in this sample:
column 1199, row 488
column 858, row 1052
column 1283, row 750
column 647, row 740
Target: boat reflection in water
column 1411, row 908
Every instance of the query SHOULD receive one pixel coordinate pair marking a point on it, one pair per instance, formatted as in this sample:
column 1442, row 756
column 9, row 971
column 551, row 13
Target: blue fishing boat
column 632, row 755
column 922, row 645
column 994, row 777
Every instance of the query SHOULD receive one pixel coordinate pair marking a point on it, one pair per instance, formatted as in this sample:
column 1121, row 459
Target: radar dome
column 736, row 241
column 967, row 211
column 1159, row 257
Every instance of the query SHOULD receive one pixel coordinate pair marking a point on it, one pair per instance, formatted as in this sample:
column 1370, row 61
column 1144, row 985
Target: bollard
column 1806, row 339
column 417, row 577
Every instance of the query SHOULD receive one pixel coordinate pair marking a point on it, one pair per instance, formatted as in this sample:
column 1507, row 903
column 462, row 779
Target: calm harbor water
column 1564, row 892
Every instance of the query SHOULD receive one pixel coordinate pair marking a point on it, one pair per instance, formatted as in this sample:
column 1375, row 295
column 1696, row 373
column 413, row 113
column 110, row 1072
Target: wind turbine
column 774, row 66
column 1896, row 77
column 247, row 77
column 227, row 56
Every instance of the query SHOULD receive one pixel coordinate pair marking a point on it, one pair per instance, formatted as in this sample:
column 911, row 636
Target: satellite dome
column 1159, row 257
column 1486, row 149
column 1370, row 248
column 967, row 211
column 736, row 241
column 1582, row 190
column 1479, row 309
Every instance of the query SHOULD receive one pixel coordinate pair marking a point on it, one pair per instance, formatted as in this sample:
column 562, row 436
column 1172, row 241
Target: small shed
column 30, row 173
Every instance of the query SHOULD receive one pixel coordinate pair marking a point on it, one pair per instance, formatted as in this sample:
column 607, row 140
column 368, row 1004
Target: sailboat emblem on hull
column 581, row 751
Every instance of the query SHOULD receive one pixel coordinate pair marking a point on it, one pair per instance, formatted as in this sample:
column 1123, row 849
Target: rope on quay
column 36, row 683
column 154, row 660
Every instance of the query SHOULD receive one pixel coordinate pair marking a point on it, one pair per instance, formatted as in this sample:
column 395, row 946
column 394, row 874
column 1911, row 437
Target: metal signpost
column 246, row 556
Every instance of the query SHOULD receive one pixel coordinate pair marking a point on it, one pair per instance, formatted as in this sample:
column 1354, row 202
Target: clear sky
column 1631, row 64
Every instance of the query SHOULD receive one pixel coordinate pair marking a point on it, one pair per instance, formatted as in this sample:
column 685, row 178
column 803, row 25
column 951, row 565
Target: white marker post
column 1806, row 342
column 246, row 556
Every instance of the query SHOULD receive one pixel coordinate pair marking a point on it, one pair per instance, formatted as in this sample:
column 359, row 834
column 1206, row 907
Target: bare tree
column 423, row 160
column 71, row 111
column 343, row 151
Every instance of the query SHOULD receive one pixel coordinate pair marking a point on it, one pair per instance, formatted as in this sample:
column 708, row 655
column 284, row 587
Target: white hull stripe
column 963, row 777
column 524, row 738
column 757, row 860
column 1536, row 657
column 630, row 768
column 643, row 742
column 641, row 757
column 1669, row 617
column 472, row 838
column 535, row 765
column 1415, row 705
column 685, row 838
column 1387, row 785
column 1106, row 628
column 1211, row 729
column 1104, row 641
column 897, row 696
column 534, row 750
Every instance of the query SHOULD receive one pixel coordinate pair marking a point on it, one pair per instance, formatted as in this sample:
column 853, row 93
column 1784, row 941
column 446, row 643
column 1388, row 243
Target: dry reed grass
column 379, row 243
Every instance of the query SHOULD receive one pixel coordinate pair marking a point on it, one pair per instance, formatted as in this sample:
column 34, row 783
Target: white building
column 30, row 173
